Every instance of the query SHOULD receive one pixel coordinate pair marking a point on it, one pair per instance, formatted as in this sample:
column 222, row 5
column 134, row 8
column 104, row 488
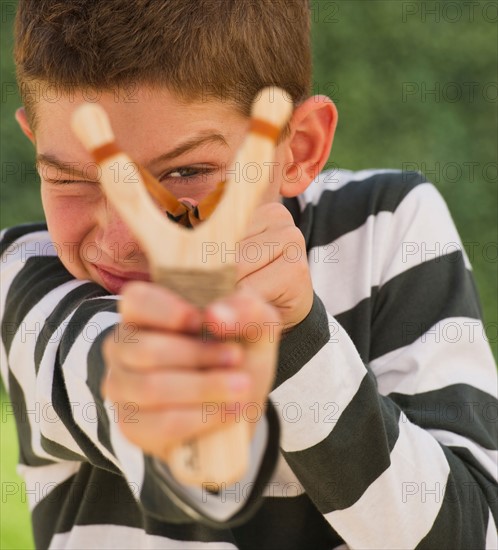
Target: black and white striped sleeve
column 52, row 330
column 396, row 442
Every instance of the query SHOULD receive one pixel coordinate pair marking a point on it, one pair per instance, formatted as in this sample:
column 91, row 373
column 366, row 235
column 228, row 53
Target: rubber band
column 181, row 212
column 105, row 151
column 266, row 129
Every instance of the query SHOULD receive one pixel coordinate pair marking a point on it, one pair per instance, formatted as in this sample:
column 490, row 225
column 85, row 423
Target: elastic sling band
column 265, row 129
column 105, row 151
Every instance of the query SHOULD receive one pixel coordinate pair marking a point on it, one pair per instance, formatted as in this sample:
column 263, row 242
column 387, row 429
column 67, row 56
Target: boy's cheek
column 69, row 224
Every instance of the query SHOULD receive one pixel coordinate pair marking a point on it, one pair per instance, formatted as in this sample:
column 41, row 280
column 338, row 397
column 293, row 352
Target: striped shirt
column 382, row 426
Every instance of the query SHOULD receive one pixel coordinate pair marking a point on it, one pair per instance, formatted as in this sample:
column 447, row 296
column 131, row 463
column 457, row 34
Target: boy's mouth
column 113, row 280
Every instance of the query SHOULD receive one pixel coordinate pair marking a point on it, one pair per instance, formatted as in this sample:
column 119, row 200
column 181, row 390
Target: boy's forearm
column 363, row 462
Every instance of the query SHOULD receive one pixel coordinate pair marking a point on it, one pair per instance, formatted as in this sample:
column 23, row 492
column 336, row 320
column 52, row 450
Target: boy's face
column 188, row 147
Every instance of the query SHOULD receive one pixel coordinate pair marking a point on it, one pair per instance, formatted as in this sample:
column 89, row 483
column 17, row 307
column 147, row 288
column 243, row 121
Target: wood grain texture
column 177, row 255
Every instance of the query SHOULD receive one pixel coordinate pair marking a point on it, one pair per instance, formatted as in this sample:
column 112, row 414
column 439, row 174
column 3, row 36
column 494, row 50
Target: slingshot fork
column 178, row 258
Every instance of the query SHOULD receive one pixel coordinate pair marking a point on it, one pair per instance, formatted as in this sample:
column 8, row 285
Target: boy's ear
column 22, row 120
column 312, row 126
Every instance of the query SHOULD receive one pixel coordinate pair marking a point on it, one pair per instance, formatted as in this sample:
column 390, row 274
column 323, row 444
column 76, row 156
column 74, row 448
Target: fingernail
column 223, row 313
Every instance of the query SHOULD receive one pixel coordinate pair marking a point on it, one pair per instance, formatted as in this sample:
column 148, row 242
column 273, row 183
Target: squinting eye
column 188, row 172
column 183, row 173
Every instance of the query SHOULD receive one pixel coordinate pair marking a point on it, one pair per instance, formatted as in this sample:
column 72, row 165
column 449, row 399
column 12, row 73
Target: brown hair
column 212, row 49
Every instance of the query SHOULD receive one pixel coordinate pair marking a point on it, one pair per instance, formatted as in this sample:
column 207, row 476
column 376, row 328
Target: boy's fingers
column 155, row 350
column 151, row 305
column 165, row 389
column 266, row 216
column 282, row 282
column 157, row 432
column 257, row 252
column 243, row 316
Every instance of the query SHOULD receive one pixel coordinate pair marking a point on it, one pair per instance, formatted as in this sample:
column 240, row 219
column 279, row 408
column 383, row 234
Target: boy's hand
column 273, row 262
column 182, row 384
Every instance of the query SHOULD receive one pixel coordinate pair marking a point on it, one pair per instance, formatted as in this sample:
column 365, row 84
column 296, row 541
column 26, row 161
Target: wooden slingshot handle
column 178, row 257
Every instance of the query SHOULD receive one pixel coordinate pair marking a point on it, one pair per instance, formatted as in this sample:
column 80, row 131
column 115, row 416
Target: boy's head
column 175, row 76
column 198, row 49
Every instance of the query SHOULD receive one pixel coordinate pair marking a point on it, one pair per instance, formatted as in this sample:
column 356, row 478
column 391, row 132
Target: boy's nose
column 113, row 236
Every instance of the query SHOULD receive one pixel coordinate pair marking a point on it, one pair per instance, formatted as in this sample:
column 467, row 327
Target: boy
column 371, row 454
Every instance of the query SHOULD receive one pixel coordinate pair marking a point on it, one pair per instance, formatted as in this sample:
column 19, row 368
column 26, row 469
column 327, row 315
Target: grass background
column 379, row 60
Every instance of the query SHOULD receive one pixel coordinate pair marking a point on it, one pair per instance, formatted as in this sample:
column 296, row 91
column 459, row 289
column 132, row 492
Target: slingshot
column 177, row 255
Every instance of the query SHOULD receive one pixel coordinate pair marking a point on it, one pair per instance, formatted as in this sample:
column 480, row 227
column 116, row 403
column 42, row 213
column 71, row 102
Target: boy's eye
column 187, row 172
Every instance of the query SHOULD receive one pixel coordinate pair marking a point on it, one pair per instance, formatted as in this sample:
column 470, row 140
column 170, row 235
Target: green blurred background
column 415, row 85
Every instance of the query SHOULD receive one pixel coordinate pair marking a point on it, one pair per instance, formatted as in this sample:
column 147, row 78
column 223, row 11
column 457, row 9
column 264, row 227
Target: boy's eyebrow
column 67, row 167
column 182, row 148
column 185, row 147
